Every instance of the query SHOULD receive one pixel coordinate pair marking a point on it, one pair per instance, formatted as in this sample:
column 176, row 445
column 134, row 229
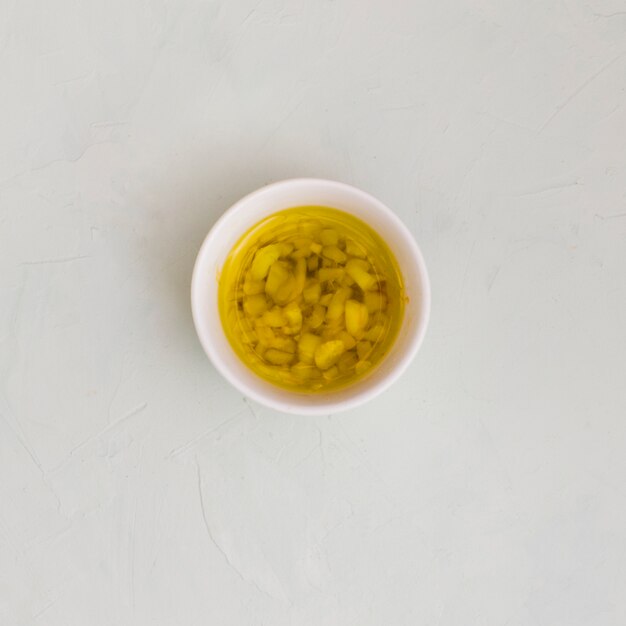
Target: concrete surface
column 486, row 488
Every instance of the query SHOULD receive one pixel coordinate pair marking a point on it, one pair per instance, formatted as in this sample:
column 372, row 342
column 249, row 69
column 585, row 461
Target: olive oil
column 311, row 298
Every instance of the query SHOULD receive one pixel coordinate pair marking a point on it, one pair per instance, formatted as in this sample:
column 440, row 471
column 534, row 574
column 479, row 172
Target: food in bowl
column 311, row 298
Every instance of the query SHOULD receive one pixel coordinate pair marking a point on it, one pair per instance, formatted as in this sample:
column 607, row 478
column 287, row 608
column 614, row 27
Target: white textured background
column 488, row 487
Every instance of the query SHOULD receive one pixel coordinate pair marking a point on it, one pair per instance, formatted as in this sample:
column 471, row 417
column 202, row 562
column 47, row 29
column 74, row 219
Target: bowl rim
column 415, row 340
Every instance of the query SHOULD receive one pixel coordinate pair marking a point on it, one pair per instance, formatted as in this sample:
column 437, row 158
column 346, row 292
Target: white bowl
column 283, row 195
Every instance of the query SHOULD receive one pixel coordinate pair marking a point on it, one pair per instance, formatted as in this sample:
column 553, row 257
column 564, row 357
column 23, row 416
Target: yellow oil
column 311, row 298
